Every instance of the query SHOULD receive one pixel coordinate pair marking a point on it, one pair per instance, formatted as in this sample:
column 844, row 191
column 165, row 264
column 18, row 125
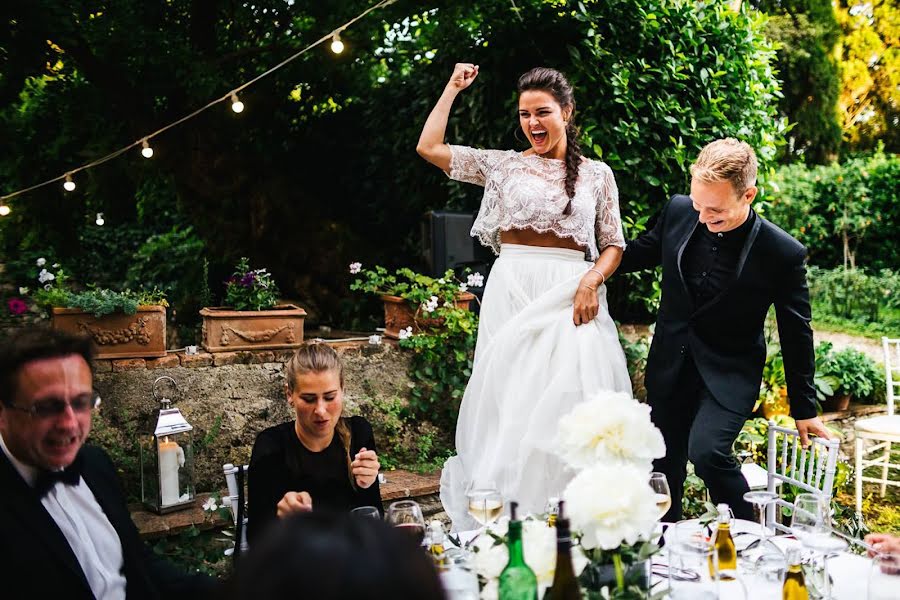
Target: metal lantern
column 167, row 458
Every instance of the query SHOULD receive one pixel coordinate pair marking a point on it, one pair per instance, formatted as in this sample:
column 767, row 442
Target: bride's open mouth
column 539, row 136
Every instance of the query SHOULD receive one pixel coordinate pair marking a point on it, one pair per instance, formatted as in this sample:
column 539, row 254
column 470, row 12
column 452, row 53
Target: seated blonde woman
column 320, row 460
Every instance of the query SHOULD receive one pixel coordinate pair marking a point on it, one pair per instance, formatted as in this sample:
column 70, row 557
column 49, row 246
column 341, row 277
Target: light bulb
column 100, row 220
column 69, row 185
column 4, row 210
column 337, row 46
column 236, row 105
column 146, row 150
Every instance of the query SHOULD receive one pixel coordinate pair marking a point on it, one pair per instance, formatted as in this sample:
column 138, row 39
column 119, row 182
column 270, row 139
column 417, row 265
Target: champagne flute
column 762, row 499
column 406, row 515
column 660, row 486
column 485, row 502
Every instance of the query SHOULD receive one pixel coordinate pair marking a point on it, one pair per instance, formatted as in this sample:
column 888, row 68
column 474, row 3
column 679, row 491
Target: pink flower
column 17, row 306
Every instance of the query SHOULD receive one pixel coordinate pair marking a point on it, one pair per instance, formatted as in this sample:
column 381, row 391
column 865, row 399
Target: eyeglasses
column 54, row 407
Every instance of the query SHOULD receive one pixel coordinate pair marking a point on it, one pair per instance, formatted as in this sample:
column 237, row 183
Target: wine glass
column 485, row 502
column 811, row 524
column 769, row 570
column 884, row 577
column 762, row 499
column 660, row 486
column 369, row 512
column 406, row 515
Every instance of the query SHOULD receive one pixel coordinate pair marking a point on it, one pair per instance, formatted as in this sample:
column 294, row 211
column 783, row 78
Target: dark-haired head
column 38, row 343
column 546, row 115
column 336, row 556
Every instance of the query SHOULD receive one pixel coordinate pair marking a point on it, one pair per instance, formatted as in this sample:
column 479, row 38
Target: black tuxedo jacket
column 34, row 552
column 725, row 335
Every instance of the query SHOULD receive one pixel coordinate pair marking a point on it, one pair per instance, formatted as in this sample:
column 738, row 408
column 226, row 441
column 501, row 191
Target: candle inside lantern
column 171, row 459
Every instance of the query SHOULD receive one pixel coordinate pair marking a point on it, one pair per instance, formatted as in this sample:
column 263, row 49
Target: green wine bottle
column 565, row 584
column 517, row 581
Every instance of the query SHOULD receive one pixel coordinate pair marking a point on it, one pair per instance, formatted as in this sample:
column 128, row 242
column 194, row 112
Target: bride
column 545, row 339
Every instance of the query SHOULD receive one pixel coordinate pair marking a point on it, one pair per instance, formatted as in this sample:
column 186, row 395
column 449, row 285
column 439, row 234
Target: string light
column 100, row 220
column 146, row 150
column 4, row 210
column 236, row 105
column 337, row 46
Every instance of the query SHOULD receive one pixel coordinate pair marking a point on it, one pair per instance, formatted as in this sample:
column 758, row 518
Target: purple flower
column 248, row 279
column 17, row 306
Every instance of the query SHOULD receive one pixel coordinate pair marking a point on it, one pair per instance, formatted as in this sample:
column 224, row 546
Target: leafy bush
column 250, row 289
column 856, row 374
column 852, row 299
column 845, row 214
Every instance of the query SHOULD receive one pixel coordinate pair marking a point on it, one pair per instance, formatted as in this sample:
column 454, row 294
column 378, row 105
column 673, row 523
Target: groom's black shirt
column 710, row 259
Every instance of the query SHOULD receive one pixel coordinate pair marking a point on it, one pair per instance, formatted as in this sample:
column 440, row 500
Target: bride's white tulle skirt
column 532, row 365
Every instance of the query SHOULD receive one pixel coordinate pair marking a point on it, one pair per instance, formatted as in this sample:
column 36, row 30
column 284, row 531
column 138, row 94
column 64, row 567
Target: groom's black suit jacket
column 35, row 553
column 725, row 335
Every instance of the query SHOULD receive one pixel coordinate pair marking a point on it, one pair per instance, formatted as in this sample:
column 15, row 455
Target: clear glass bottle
column 565, row 584
column 794, row 587
column 723, row 543
column 517, row 581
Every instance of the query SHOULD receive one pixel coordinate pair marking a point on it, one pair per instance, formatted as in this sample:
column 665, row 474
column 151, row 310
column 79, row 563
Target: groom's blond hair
column 729, row 160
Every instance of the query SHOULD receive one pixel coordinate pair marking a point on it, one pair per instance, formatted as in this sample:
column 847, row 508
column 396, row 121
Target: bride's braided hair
column 555, row 83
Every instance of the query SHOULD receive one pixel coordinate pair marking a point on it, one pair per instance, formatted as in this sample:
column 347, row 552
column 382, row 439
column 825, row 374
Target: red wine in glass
column 415, row 532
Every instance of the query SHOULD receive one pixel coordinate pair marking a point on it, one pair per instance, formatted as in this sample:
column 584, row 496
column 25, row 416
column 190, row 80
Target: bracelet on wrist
column 600, row 273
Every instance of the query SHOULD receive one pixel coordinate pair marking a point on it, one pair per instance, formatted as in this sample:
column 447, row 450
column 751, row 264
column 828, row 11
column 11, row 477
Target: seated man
column 65, row 530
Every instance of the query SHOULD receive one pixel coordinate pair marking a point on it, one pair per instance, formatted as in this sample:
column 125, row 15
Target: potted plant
column 126, row 324
column 253, row 319
column 412, row 301
column 855, row 376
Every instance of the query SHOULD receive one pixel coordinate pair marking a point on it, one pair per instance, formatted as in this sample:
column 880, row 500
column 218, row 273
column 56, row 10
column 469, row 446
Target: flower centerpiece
column 122, row 324
column 610, row 443
column 253, row 318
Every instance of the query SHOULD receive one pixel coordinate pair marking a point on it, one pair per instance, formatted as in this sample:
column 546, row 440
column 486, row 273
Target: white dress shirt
column 91, row 536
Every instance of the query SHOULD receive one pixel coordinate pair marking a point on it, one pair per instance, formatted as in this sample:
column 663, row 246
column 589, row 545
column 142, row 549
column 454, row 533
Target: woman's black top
column 280, row 463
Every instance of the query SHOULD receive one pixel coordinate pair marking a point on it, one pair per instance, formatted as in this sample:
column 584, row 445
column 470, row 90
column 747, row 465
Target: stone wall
column 228, row 397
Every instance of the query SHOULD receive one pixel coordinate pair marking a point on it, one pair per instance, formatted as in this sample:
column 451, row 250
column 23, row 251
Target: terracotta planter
column 836, row 403
column 117, row 335
column 399, row 314
column 227, row 330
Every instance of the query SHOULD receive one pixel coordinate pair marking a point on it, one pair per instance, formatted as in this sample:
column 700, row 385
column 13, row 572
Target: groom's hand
column 808, row 426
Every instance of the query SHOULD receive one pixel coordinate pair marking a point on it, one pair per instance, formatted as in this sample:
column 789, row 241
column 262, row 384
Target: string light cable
column 231, row 95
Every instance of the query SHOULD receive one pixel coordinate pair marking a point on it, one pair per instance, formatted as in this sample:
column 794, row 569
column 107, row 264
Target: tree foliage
column 807, row 32
column 320, row 169
column 870, row 94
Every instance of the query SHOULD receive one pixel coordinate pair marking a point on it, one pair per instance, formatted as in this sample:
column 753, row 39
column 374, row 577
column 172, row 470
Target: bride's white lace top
column 528, row 192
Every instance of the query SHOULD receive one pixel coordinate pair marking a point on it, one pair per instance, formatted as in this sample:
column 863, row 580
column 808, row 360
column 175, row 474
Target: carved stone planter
column 117, row 335
column 398, row 314
column 226, row 330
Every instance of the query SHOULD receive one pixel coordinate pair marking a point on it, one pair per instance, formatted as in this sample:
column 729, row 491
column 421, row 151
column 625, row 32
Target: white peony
column 611, row 505
column 611, row 428
column 539, row 542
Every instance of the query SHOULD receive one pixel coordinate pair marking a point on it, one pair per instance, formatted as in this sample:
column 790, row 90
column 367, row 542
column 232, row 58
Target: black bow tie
column 71, row 475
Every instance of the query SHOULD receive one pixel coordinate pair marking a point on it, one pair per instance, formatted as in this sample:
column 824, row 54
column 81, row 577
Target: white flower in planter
column 355, row 268
column 41, row 262
column 405, row 333
column 611, row 428
column 463, row 287
column 475, row 280
column 431, row 305
column 44, row 276
column 210, row 505
column 607, row 520
column 23, row 291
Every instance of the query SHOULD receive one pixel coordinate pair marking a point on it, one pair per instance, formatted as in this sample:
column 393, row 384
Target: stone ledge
column 855, row 410
column 176, row 358
column 398, row 485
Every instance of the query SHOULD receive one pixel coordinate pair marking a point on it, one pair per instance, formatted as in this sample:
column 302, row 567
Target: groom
column 723, row 266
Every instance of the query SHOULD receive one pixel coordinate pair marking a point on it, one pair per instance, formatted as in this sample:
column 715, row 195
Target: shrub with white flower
column 539, row 543
column 610, row 428
column 211, row 505
column 355, row 268
column 475, row 280
column 406, row 332
column 431, row 305
column 45, row 276
column 41, row 262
